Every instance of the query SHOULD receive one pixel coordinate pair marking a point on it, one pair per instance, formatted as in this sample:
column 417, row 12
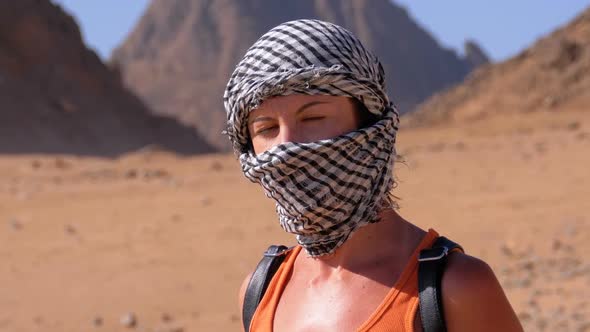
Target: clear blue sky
column 501, row 27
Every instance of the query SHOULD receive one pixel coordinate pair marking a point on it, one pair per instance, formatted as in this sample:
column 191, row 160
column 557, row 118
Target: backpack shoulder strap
column 265, row 270
column 431, row 265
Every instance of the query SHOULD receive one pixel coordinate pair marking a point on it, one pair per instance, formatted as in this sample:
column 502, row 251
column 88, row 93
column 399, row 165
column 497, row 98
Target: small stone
column 97, row 321
column 205, row 201
column 558, row 245
column 166, row 317
column 69, row 229
column 61, row 163
column 575, row 125
column 506, row 271
column 524, row 282
column 533, row 303
column 129, row 320
column 528, row 265
column 582, row 136
column 540, row 147
column 549, row 101
column 15, row 224
column 506, row 250
column 524, row 316
column 160, row 173
column 216, row 166
column 577, row 316
column 131, row 174
column 155, row 174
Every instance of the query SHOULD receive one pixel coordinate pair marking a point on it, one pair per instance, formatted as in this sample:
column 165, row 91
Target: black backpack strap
column 268, row 266
column 431, row 264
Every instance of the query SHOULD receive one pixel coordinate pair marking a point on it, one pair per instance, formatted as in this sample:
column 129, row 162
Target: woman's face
column 300, row 118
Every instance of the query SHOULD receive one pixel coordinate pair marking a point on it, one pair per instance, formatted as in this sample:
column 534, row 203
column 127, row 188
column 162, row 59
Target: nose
column 289, row 133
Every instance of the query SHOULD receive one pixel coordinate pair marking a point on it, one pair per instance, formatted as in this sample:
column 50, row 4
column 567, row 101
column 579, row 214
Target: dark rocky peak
column 56, row 96
column 179, row 56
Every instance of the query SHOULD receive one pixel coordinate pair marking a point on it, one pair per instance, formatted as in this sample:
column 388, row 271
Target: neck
column 372, row 244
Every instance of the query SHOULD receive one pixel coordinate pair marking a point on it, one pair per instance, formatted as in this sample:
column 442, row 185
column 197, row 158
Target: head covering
column 323, row 190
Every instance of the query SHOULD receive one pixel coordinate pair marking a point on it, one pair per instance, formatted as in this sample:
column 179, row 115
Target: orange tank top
column 395, row 313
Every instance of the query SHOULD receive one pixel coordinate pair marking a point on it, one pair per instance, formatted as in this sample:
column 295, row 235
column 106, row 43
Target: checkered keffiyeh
column 324, row 190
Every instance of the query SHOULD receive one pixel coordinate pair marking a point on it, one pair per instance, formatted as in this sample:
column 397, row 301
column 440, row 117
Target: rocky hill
column 553, row 74
column 56, row 96
column 180, row 55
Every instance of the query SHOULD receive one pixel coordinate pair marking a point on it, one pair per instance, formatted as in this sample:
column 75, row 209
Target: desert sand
column 163, row 242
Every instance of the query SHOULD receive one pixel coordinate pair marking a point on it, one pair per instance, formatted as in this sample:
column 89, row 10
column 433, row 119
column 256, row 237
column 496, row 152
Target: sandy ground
column 86, row 243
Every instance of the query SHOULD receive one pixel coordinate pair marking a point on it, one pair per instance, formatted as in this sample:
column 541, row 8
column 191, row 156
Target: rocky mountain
column 180, row 55
column 553, row 74
column 56, row 96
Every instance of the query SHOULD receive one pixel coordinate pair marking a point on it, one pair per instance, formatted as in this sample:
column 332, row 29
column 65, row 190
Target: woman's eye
column 313, row 118
column 265, row 130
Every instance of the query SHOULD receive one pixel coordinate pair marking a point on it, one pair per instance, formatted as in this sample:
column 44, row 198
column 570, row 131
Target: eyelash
column 266, row 130
column 313, row 118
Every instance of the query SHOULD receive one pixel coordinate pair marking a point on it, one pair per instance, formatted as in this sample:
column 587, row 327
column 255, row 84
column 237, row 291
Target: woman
column 310, row 120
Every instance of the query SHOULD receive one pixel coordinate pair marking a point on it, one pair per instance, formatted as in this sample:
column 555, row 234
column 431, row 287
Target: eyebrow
column 301, row 109
column 308, row 105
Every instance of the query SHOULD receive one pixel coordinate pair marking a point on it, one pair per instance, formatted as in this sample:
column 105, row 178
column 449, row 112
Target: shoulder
column 463, row 272
column 473, row 298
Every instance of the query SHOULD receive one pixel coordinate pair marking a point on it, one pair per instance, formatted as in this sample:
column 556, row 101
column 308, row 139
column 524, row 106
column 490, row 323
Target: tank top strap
column 263, row 317
column 398, row 309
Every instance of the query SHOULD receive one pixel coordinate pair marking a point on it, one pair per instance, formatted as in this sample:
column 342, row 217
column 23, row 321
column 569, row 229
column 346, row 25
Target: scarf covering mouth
column 326, row 190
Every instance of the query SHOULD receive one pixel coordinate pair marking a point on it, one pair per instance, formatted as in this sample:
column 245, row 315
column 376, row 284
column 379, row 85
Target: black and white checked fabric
column 323, row 190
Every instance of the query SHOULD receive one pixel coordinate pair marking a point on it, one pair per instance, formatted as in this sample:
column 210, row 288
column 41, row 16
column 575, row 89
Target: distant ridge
column 552, row 74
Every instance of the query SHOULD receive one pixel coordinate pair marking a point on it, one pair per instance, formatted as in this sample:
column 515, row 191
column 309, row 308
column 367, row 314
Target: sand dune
column 85, row 241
